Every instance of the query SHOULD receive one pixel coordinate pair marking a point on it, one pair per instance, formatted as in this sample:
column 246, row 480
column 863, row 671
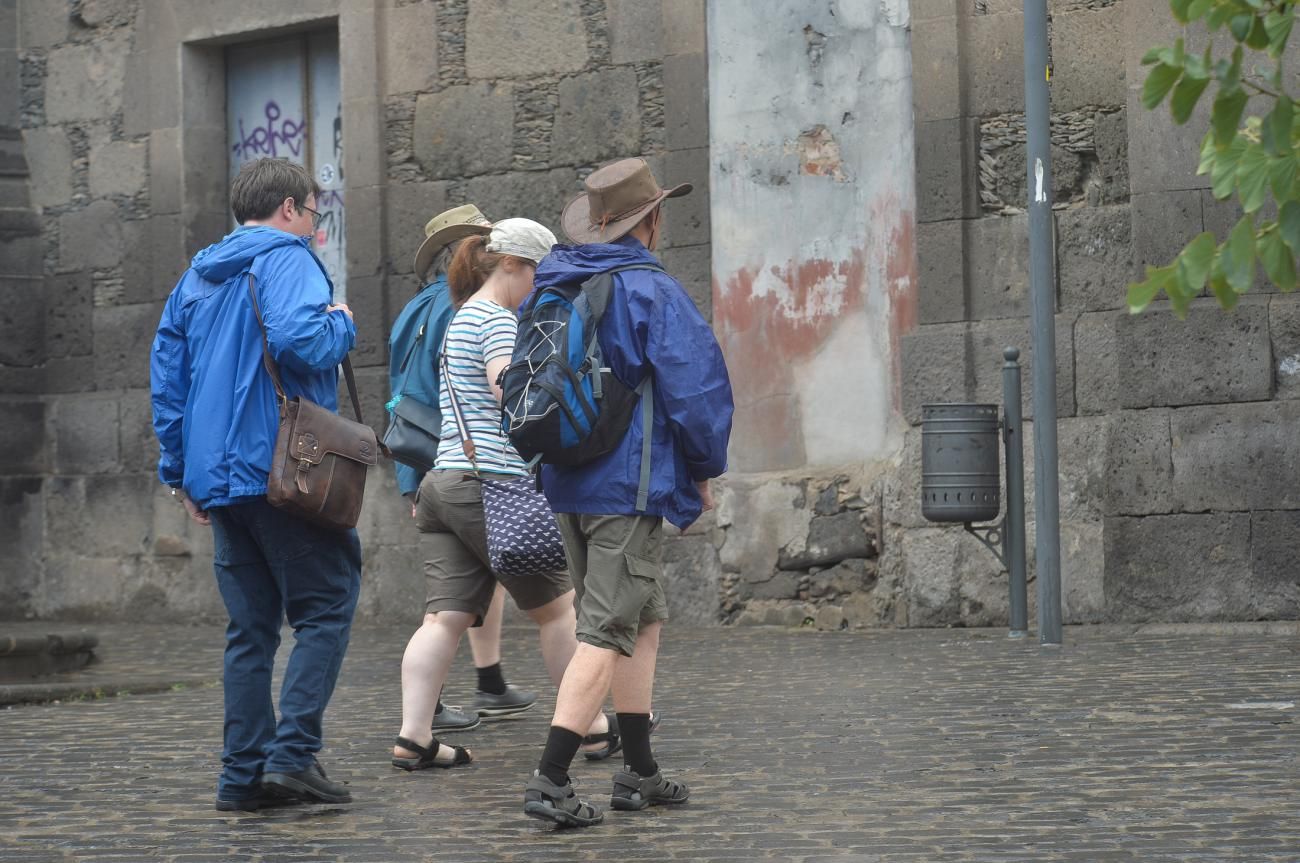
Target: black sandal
column 611, row 738
column 428, row 755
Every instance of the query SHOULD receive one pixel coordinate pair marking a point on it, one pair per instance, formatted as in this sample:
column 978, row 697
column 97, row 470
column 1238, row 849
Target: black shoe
column 558, row 804
column 632, row 791
column 451, row 719
column 259, row 800
column 308, row 786
column 513, row 700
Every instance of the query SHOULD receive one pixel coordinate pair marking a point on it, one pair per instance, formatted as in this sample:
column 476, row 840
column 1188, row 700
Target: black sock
column 491, row 680
column 561, row 745
column 635, row 730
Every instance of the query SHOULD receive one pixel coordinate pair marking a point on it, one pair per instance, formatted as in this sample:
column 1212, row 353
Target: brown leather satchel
column 318, row 470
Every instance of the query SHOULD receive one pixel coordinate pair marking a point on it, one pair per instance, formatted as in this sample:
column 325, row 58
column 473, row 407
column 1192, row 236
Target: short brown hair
column 263, row 184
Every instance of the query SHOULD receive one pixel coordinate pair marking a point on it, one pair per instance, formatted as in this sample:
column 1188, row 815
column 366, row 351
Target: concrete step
column 24, row 657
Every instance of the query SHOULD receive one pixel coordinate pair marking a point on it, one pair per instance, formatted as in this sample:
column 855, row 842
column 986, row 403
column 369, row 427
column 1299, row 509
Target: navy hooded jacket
column 652, row 327
column 214, row 405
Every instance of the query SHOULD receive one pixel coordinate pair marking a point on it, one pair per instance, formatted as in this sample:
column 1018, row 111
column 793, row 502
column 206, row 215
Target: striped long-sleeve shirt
column 481, row 332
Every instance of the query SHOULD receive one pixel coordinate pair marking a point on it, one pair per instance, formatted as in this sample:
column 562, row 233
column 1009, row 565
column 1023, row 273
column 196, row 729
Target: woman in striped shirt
column 489, row 277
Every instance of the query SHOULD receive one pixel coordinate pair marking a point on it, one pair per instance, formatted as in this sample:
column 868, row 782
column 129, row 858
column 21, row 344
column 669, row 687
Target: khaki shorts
column 615, row 561
column 449, row 514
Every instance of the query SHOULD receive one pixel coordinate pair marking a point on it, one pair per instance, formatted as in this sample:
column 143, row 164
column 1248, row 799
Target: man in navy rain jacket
column 613, row 544
column 216, row 417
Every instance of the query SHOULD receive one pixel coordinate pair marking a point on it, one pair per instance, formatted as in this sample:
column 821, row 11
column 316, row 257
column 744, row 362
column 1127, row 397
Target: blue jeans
column 269, row 566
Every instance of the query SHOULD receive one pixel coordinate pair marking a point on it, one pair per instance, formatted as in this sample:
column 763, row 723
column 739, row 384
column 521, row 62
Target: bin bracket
column 994, row 537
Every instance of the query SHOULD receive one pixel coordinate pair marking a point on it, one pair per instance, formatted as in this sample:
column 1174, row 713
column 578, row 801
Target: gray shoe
column 451, row 719
column 513, row 700
column 558, row 804
column 632, row 792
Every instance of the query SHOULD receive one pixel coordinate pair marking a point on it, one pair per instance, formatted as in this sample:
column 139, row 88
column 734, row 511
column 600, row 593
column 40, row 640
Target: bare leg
column 424, row 670
column 634, row 676
column 556, row 622
column 586, row 682
column 485, row 640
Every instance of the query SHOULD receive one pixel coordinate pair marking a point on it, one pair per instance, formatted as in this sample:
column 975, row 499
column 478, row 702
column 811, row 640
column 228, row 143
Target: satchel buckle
column 303, row 467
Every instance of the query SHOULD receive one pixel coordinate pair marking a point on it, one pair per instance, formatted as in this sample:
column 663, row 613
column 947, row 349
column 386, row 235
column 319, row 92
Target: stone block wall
column 1175, row 437
column 112, row 173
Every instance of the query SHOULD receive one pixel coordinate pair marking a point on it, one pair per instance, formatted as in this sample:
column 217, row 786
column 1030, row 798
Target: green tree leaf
column 1277, row 260
column 1186, row 94
column 1281, row 177
column 1288, row 225
column 1252, row 178
column 1224, row 176
column 1219, row 15
column 1194, row 262
column 1238, row 255
column 1226, row 116
column 1159, row 82
column 1208, row 155
column 1257, row 38
column 1180, row 9
column 1278, row 25
column 1275, row 133
column 1239, row 26
column 1197, row 8
column 1140, row 294
column 1223, row 292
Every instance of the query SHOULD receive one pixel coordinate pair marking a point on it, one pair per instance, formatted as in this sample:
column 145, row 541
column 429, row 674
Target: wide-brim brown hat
column 448, row 227
column 618, row 196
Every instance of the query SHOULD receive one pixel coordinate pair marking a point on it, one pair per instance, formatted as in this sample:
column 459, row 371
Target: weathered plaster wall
column 813, row 204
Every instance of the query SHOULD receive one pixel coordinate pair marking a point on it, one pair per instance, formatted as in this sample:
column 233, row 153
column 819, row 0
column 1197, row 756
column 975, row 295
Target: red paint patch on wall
column 765, row 337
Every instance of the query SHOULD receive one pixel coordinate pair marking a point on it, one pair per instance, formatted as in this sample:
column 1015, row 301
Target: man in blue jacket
column 612, row 540
column 216, row 417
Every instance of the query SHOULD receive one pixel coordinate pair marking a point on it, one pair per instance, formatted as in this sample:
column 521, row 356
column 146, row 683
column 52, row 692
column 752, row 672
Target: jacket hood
column 233, row 253
column 578, row 263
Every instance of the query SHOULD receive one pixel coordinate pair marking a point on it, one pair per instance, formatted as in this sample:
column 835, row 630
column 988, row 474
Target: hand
column 412, row 510
column 339, row 307
column 199, row 516
column 706, row 494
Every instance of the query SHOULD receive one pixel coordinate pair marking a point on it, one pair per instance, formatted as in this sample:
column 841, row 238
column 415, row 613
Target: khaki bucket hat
column 448, row 227
column 617, row 196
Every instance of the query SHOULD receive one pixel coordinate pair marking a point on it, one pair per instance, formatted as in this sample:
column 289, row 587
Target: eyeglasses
column 316, row 216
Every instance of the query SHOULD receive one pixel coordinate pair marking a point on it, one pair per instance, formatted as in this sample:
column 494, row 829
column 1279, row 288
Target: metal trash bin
column 960, row 467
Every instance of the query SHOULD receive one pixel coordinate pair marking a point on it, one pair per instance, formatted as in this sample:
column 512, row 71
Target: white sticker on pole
column 1040, row 196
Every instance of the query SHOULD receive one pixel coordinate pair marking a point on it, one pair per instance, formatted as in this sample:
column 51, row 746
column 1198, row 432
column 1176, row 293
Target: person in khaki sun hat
column 488, row 277
column 611, row 509
column 413, row 352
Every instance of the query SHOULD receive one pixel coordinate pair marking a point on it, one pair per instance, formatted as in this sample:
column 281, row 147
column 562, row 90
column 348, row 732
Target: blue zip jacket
column 651, row 326
column 214, row 405
column 432, row 310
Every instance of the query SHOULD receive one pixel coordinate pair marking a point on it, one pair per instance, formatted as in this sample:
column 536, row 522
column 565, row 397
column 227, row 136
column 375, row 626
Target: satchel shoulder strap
column 274, row 370
column 466, row 443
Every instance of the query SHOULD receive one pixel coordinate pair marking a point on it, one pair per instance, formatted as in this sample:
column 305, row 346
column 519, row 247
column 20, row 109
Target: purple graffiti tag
column 268, row 139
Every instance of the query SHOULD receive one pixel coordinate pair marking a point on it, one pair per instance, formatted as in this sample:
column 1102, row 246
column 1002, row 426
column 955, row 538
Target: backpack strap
column 599, row 287
column 647, row 390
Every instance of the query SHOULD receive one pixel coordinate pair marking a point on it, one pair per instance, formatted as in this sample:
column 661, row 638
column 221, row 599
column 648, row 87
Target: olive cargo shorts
column 615, row 563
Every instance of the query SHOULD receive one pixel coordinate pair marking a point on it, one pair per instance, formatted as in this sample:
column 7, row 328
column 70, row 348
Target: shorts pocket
column 634, row 591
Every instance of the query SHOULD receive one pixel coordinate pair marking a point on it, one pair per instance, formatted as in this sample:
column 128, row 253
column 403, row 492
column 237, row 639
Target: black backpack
column 560, row 404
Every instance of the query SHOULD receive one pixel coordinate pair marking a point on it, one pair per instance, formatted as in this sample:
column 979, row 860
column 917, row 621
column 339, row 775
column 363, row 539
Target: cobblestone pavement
column 887, row 746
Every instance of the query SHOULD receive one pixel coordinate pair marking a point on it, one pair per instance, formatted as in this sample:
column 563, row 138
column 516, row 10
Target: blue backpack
column 560, row 403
